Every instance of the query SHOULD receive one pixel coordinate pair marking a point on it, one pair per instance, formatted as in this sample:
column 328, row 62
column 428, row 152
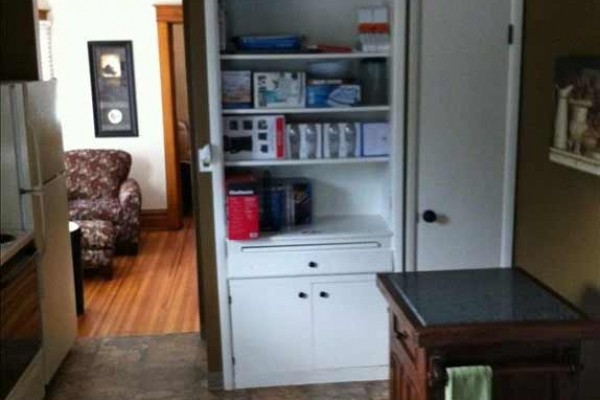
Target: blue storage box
column 332, row 95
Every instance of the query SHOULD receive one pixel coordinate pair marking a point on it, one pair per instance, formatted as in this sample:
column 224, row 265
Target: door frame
column 511, row 136
column 166, row 16
column 209, row 244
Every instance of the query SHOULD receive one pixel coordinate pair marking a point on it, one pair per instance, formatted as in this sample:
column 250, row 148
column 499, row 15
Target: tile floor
column 171, row 367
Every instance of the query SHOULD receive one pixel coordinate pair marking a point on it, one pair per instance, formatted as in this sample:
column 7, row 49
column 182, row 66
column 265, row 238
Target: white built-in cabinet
column 306, row 330
column 302, row 306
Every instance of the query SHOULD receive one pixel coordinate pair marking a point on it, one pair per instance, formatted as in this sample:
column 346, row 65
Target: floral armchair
column 98, row 190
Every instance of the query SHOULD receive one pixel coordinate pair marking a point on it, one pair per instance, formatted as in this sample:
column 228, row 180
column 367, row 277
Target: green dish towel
column 469, row 383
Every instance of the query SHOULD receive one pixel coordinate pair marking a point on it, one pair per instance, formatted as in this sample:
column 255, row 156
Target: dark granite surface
column 477, row 296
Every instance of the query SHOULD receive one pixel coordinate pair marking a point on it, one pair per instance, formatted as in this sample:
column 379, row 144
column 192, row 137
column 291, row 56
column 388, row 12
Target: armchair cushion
column 99, row 209
column 94, row 174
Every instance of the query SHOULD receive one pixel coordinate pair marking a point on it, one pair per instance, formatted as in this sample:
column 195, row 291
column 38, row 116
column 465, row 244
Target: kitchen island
column 501, row 317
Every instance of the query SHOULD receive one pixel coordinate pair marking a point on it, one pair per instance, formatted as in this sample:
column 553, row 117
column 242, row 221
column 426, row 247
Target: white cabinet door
column 271, row 326
column 350, row 324
column 461, row 131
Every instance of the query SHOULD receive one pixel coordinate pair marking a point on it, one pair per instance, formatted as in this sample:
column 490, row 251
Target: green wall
column 557, row 236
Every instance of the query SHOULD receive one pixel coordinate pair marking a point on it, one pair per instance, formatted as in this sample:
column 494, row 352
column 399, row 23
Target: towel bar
column 439, row 377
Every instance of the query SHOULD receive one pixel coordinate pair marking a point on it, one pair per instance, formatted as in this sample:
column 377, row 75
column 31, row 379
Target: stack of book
column 285, row 203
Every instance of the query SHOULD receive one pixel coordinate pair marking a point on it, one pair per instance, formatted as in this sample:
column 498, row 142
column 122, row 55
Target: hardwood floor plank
column 153, row 293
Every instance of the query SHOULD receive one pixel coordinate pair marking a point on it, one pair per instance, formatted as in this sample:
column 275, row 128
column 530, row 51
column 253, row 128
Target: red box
column 243, row 220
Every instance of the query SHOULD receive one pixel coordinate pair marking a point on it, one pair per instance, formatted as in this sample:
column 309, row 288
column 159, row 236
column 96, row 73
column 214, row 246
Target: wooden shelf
column 316, row 161
column 581, row 163
column 302, row 56
column 341, row 110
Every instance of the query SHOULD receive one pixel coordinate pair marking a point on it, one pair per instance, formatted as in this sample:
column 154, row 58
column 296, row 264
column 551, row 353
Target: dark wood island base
column 503, row 318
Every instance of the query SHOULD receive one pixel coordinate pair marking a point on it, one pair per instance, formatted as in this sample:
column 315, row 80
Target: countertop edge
column 10, row 249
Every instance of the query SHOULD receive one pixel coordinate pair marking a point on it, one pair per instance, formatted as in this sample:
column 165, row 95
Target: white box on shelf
column 311, row 140
column 279, row 89
column 341, row 140
column 375, row 139
column 254, row 137
column 292, row 141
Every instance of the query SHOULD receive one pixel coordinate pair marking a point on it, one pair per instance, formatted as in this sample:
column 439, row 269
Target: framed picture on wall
column 113, row 88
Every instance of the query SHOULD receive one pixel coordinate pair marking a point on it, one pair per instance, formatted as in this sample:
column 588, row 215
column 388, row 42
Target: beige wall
column 558, row 209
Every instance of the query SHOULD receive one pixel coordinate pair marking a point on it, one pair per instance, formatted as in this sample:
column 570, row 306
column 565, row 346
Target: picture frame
column 113, row 88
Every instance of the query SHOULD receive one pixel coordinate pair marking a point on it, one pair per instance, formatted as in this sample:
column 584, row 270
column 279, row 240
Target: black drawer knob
column 324, row 295
column 313, row 264
column 430, row 216
column 303, row 295
column 401, row 335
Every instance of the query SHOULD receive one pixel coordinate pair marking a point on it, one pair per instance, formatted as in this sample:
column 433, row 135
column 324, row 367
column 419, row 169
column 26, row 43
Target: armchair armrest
column 130, row 198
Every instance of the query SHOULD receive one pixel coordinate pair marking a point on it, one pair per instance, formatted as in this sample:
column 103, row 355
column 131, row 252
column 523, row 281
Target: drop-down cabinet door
column 271, row 321
column 350, row 324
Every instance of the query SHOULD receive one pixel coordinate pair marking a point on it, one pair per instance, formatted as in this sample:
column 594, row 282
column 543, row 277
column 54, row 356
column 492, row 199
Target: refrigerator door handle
column 40, row 195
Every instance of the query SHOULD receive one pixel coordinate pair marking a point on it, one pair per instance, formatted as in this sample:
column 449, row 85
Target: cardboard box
column 254, row 137
column 341, row 140
column 242, row 207
column 236, row 88
column 375, row 139
column 279, row 89
column 292, row 141
column 311, row 140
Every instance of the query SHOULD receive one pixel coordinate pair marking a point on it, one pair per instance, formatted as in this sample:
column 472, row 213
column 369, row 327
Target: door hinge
column 511, row 33
column 233, row 360
column 230, row 300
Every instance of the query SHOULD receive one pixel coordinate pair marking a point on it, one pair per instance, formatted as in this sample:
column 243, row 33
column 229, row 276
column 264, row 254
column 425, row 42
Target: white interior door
column 350, row 324
column 461, row 66
column 271, row 327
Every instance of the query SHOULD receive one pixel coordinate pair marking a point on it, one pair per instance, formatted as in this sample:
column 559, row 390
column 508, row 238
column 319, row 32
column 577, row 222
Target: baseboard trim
column 214, row 381
column 153, row 220
column 251, row 379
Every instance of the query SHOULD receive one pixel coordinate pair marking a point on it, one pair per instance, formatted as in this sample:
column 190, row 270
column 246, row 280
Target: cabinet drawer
column 343, row 258
column 403, row 336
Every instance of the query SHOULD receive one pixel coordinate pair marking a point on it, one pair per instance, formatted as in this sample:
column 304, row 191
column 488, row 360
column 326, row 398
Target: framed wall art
column 113, row 88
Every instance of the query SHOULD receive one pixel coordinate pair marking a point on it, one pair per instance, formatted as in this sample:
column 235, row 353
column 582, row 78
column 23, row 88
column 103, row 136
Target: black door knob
column 430, row 216
column 313, row 264
column 324, row 295
column 303, row 295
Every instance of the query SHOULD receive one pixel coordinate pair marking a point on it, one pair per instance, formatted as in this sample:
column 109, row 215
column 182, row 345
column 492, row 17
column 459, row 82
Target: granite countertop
column 499, row 295
column 9, row 249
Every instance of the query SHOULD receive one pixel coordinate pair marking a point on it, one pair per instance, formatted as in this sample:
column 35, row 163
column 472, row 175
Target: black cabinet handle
column 303, row 295
column 313, row 264
column 324, row 295
column 430, row 216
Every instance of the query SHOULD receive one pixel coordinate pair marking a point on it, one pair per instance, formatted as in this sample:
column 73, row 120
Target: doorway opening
column 156, row 291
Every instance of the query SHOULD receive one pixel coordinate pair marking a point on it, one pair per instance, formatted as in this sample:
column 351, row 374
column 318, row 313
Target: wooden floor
column 153, row 293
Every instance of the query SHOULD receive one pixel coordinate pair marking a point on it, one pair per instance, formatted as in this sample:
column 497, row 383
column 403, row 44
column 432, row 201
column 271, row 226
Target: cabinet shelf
column 329, row 228
column 302, row 56
column 340, row 110
column 317, row 161
column 575, row 161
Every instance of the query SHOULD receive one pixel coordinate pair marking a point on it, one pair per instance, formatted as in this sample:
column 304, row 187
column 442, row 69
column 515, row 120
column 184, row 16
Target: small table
column 75, row 231
column 501, row 317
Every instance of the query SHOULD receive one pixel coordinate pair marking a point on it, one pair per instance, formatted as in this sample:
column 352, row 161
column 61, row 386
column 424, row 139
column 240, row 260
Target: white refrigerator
column 34, row 198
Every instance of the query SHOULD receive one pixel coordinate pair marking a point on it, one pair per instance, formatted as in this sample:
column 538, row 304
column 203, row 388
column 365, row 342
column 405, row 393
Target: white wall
column 75, row 22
